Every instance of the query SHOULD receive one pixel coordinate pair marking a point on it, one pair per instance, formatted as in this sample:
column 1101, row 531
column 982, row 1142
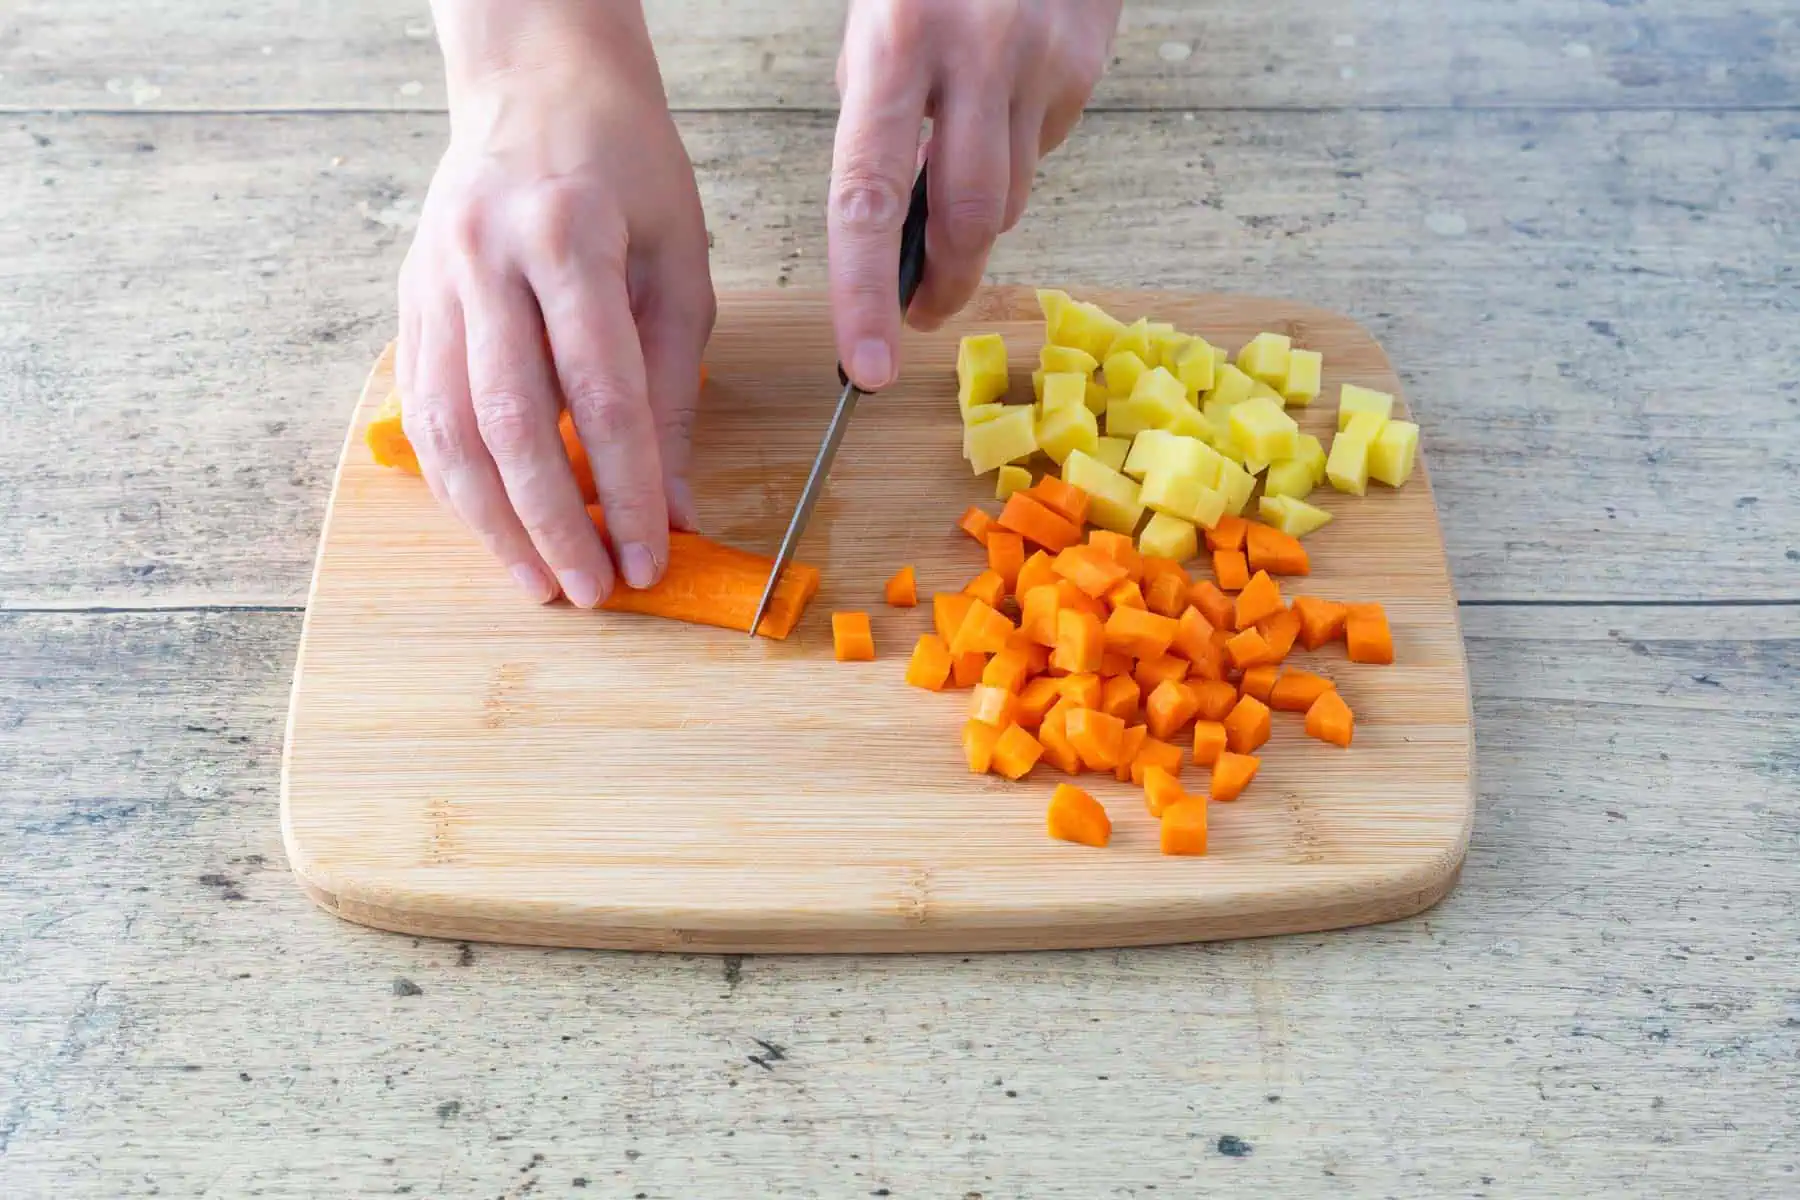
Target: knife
column 912, row 268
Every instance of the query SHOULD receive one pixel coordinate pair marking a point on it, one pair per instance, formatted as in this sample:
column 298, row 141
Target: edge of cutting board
column 911, row 919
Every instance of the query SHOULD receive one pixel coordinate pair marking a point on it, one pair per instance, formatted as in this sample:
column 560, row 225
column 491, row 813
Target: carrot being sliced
column 1247, row 725
column 1321, row 621
column 1296, row 690
column 1129, row 745
column 1232, row 774
column 902, row 591
column 1096, row 736
column 1119, row 696
column 851, row 638
column 1260, row 597
column 1016, row 753
column 983, row 631
column 1006, row 556
column 1075, row 816
column 1366, row 634
column 947, row 612
column 1330, row 720
column 1246, row 649
column 1271, row 550
column 1064, row 499
column 987, row 587
column 1183, row 829
column 1079, row 642
column 1154, row 671
column 1216, row 698
column 1228, row 534
column 1209, row 742
column 1233, row 572
column 1126, row 594
column 1083, row 691
column 978, row 745
column 1034, row 522
column 1168, row 708
column 1037, row 572
column 1035, row 699
column 966, row 669
column 1219, row 609
column 975, row 522
column 1280, row 631
column 1155, row 753
column 929, row 667
column 1139, row 633
column 1088, row 569
column 1161, row 790
column 1258, row 680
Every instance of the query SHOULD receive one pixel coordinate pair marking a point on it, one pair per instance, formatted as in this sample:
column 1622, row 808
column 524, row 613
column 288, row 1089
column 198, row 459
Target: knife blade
column 912, row 269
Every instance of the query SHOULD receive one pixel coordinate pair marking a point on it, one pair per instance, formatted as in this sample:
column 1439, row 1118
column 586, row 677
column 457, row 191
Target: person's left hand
column 1003, row 81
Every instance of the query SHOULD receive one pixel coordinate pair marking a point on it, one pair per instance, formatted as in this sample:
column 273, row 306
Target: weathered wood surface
column 1595, row 315
column 216, row 54
column 1605, row 1006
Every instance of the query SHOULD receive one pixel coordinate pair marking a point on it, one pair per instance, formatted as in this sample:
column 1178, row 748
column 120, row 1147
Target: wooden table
column 1571, row 223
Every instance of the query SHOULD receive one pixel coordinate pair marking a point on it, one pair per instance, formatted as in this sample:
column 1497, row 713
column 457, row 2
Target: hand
column 1003, row 81
column 561, row 256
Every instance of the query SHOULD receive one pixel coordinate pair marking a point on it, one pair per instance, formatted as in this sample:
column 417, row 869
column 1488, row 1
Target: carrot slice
column 948, row 609
column 1216, row 698
column 851, row 638
column 1120, row 549
column 1232, row 570
column 1261, row 597
column 1183, row 829
column 1167, row 595
column 1218, row 608
column 978, row 745
column 902, row 591
column 976, row 523
column 1209, row 742
column 1038, row 609
column 1016, row 753
column 1321, row 621
column 1007, row 670
column 966, row 669
column 1064, row 499
column 1075, row 816
column 1232, row 774
column 1089, row 570
column 983, row 631
column 1139, row 633
column 1152, row 672
column 1280, row 631
column 1126, row 594
column 1006, row 555
column 1296, row 690
column 929, row 667
column 1119, row 696
column 1083, row 691
column 1097, row 737
column 1258, row 680
column 1079, row 642
column 1330, row 720
column 1247, row 725
column 1035, row 699
column 1276, row 552
column 1053, row 734
column 1247, row 649
column 1366, row 634
column 1036, row 573
column 1034, row 522
column 1161, row 790
column 1155, row 753
column 1169, row 707
column 1228, row 534
column 987, row 587
column 1129, row 745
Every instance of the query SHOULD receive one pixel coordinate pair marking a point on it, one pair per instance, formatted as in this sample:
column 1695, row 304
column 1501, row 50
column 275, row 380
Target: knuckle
column 432, row 431
column 550, row 221
column 508, row 424
column 865, row 200
column 605, row 415
column 676, row 424
column 468, row 230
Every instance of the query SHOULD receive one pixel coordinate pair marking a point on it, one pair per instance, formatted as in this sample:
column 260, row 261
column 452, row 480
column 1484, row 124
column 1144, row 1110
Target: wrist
column 496, row 45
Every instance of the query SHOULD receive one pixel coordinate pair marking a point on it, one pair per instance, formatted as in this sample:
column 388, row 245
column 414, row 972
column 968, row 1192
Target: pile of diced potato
column 1145, row 418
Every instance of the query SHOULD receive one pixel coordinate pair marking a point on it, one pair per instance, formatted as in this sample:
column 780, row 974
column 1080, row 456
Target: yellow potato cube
column 1064, row 389
column 1312, row 453
column 1051, row 302
column 1085, row 327
column 1112, row 451
column 1265, row 357
column 1010, row 480
column 1237, row 484
column 1292, row 477
column 1122, row 372
column 1347, row 466
column 1067, row 358
column 1097, row 398
column 1296, row 518
column 980, row 369
column 983, row 412
column 1190, row 422
column 1391, row 457
column 1009, row 437
column 1037, row 384
column 1133, row 339
column 1230, row 386
column 1301, row 387
column 1153, row 403
column 1354, row 399
column 1194, row 366
column 1146, row 452
column 1063, row 430
column 1261, row 390
column 1182, row 496
column 1263, row 432
column 1166, row 344
column 1221, row 359
column 1157, row 450
column 1367, row 426
column 1113, row 501
column 1169, row 537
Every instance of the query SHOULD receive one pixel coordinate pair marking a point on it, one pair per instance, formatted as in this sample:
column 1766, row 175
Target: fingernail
column 534, row 583
column 639, row 564
column 582, row 589
column 681, row 506
column 871, row 363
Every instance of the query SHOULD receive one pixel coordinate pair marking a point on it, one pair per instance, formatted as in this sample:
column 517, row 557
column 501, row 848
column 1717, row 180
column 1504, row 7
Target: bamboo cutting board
column 461, row 763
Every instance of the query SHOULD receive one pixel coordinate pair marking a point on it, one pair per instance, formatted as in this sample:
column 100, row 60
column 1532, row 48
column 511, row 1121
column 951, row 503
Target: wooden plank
column 220, row 54
column 1604, row 1006
column 219, row 286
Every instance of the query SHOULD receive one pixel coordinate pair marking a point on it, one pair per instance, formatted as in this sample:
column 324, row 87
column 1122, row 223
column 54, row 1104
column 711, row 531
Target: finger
column 1027, row 130
column 600, row 364
column 872, row 170
column 513, row 393
column 675, row 320
column 970, row 179
column 440, row 423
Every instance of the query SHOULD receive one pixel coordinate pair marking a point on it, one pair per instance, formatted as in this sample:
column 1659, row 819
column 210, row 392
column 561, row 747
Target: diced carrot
column 1232, row 570
column 1129, row 745
column 1126, row 594
column 1296, row 690
column 1193, row 635
column 1154, row 671
column 851, row 638
column 1075, row 816
column 983, row 631
column 987, row 587
column 1038, row 609
column 1080, row 642
column 1016, row 753
column 1218, row 608
column 1161, row 790
column 1007, row 670
column 1232, row 774
column 1247, row 725
column 1036, row 573
column 966, row 669
column 1280, row 631
column 1006, row 555
column 1168, row 708
column 1222, row 639
column 1258, row 680
column 1053, row 734
column 1321, row 621
column 1139, row 633
column 1114, row 663
column 1155, row 566
column 1209, row 742
column 947, row 612
column 1034, row 522
column 1261, row 597
column 1276, row 552
column 1083, row 691
column 1064, row 499
column 1035, row 699
column 1089, row 570
column 1247, row 649
column 1167, row 595
column 1070, row 596
column 1183, row 829
column 1209, row 658
column 976, row 524
column 993, row 706
column 1228, row 534
column 929, row 667
column 1216, row 698
column 978, row 745
column 902, row 591
column 1120, row 549
column 1155, row 753
column 1366, row 634
column 1330, row 720
column 1097, row 737
column 1119, row 696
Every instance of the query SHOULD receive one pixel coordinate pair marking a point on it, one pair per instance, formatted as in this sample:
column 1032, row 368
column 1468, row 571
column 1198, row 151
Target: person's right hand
column 561, row 256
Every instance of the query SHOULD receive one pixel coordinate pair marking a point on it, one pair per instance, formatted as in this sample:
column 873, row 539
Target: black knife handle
column 912, row 250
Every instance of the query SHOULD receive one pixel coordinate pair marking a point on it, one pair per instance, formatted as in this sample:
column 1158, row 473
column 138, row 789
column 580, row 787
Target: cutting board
column 461, row 763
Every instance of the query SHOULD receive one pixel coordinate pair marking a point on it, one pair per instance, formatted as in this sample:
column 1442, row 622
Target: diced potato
column 1009, row 437
column 1218, row 415
column 1367, row 426
column 1085, row 327
column 1194, row 366
column 1166, row 344
column 1312, row 453
column 1230, row 386
column 1182, row 496
column 1112, row 451
column 1301, row 387
column 1190, row 422
column 1146, row 452
column 1292, row 477
column 1391, row 457
column 1237, row 484
column 1157, row 450
column 1153, row 403
column 1064, row 389
column 1347, row 466
column 1113, row 501
column 1051, row 303
column 1037, row 384
column 1067, row 358
column 1259, row 389
column 1133, row 339
column 1063, row 430
column 1263, row 432
column 1354, row 399
column 1265, row 357
column 1097, row 398
column 983, row 412
column 1010, row 480
column 1169, row 537
column 1122, row 372
column 980, row 370
column 1296, row 518
column 1221, row 360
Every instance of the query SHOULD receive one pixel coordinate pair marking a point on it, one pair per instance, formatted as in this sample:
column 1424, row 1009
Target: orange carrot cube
column 929, row 667
column 1330, row 720
column 1209, row 742
column 1232, row 774
column 978, row 745
column 966, row 669
column 1080, row 641
column 1169, row 707
column 1016, row 753
column 1035, row 699
column 1261, row 597
column 1075, row 816
column 1366, row 634
column 1152, row 672
column 1216, row 698
column 976, row 524
column 1183, row 830
column 851, row 638
column 1296, row 690
column 1129, row 745
column 1035, row 573
column 1228, row 534
column 1007, row 670
column 1232, row 571
column 902, row 591
column 1246, row 649
column 1258, row 680
column 1280, row 631
column 1064, row 499
column 983, row 631
column 1161, row 790
column 1271, row 550
column 1247, row 725
column 1139, row 633
column 1154, row 752
column 1218, row 608
column 1321, row 621
column 1119, row 696
column 1035, row 523
column 1096, row 736
column 947, row 612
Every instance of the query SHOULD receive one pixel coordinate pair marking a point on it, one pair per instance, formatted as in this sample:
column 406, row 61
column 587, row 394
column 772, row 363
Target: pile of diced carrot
column 1081, row 652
